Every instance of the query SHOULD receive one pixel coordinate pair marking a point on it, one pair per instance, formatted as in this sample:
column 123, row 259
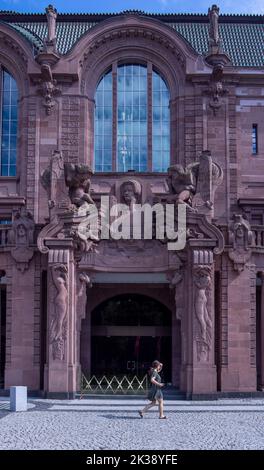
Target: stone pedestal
column 18, row 398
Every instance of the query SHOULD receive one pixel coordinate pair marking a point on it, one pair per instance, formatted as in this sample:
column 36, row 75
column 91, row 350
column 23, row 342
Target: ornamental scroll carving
column 203, row 312
column 59, row 320
column 241, row 240
column 22, row 236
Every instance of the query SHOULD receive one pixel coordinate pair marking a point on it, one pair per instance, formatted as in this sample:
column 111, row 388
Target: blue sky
column 163, row 6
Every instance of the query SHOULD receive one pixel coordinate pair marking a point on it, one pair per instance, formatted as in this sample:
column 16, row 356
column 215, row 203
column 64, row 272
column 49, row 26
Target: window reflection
column 9, row 97
column 161, row 124
column 132, row 126
column 103, row 124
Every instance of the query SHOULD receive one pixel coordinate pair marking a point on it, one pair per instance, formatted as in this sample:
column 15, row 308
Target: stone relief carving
column 202, row 307
column 22, row 236
column 241, row 240
column 58, row 323
column 177, row 284
column 78, row 180
column 52, row 180
column 48, row 88
column 216, row 88
column 130, row 192
column 195, row 185
column 84, row 282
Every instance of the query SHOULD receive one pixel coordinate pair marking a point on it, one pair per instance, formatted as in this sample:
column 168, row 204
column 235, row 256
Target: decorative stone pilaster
column 60, row 369
column 199, row 371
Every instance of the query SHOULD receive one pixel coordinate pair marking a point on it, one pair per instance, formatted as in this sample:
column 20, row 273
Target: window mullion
column 114, row 117
column 149, row 115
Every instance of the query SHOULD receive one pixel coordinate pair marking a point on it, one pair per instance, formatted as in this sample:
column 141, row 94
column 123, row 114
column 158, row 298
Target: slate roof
column 242, row 35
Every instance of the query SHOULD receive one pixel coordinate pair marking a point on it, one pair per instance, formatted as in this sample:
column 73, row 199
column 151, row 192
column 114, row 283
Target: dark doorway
column 128, row 333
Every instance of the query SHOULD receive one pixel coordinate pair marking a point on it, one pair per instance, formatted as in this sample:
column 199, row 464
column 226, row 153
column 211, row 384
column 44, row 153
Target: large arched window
column 8, row 123
column 132, row 121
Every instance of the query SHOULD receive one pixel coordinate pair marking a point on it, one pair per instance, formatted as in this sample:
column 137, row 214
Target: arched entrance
column 128, row 332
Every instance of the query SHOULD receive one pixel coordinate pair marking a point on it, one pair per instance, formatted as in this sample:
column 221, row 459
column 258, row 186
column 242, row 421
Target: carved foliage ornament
column 203, row 311
column 241, row 240
column 22, row 236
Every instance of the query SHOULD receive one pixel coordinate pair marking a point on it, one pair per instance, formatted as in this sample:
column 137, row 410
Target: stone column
column 61, row 367
column 199, row 371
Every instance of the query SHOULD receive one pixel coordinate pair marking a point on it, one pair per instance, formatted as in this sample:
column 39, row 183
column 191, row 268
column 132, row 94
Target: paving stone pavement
column 107, row 424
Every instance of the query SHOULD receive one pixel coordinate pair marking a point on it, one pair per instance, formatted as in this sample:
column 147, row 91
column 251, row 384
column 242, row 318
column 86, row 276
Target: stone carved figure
column 213, row 14
column 216, row 88
column 202, row 281
column 195, row 185
column 22, row 236
column 130, row 192
column 48, row 88
column 78, row 180
column 51, row 14
column 182, row 183
column 58, row 325
column 209, row 177
column 241, row 240
column 177, row 284
column 52, row 180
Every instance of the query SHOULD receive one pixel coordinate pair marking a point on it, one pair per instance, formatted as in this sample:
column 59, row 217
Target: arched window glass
column 132, row 121
column 104, row 124
column 8, row 137
column 160, row 124
column 132, row 130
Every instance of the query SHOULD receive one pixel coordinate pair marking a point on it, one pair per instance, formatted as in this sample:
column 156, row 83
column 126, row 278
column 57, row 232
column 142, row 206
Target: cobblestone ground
column 105, row 424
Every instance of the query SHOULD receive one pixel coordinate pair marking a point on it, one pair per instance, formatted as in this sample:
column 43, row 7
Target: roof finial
column 51, row 13
column 214, row 38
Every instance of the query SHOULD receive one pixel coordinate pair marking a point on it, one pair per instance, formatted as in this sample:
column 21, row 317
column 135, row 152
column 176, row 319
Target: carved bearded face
column 129, row 194
column 21, row 231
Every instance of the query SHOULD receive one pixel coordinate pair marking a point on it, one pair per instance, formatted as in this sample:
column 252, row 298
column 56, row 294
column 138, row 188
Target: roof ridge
column 140, row 12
